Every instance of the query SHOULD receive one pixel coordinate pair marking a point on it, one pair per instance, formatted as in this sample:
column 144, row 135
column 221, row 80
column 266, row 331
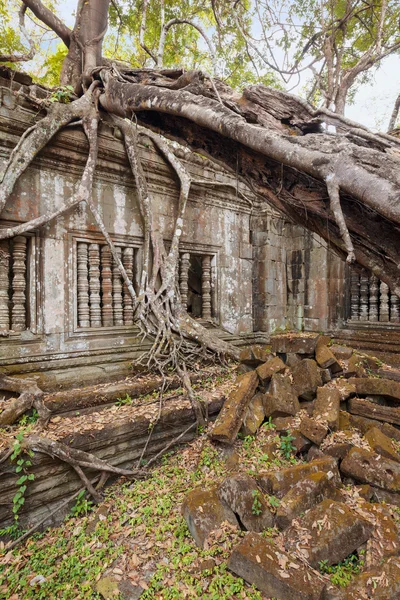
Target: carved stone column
column 94, row 285
column 394, row 308
column 384, row 304
column 4, row 286
column 373, row 298
column 106, row 287
column 364, row 281
column 127, row 261
column 183, row 278
column 117, row 291
column 18, row 311
column 355, row 296
column 206, row 287
column 83, row 284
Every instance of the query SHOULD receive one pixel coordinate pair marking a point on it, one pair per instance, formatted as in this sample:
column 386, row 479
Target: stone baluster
column 206, row 287
column 355, row 296
column 4, row 286
column 373, row 298
column 127, row 261
column 184, row 276
column 106, row 287
column 364, row 281
column 94, row 285
column 394, row 308
column 384, row 304
column 117, row 291
column 83, row 284
column 18, row 311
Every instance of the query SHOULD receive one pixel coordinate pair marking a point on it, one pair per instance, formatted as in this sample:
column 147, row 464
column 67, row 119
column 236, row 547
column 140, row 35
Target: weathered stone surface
column 390, row 431
column 379, row 495
column 305, row 494
column 280, row 400
column 295, row 343
column 326, row 376
column 369, row 467
column 204, row 512
column 341, row 352
column 271, row 446
column 327, row 406
column 377, row 583
column 306, row 379
column 314, row 453
column 326, row 359
column 314, row 429
column 333, row 532
column 255, row 415
column 382, row 444
column 284, row 423
column 345, row 388
column 371, row 410
column 344, row 420
column 280, row 482
column 110, row 587
column 233, row 412
column 275, row 573
column 338, row 447
column 385, row 540
column 267, row 369
column 292, row 359
column 239, row 493
column 300, row 443
column 254, row 355
column 354, row 367
column 376, row 386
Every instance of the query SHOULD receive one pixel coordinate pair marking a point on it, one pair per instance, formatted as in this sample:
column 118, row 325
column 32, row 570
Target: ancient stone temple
column 65, row 314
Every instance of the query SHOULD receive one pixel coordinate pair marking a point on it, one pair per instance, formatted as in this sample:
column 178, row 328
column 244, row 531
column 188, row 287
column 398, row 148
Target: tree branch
column 50, row 19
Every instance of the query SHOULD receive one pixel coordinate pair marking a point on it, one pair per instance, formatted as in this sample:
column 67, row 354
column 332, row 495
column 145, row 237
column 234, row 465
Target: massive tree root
column 31, row 396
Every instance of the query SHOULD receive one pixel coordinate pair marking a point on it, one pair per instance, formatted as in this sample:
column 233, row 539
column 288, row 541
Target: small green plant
column 274, row 502
column 63, row 94
column 286, row 447
column 82, row 505
column 342, row 573
column 127, row 401
column 29, row 419
column 256, row 508
column 268, row 425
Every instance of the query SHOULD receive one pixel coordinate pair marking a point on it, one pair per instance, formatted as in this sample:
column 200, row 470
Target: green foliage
column 268, row 425
column 342, row 573
column 286, row 447
column 274, row 502
column 127, row 401
column 82, row 505
column 256, row 508
column 29, row 419
column 63, row 94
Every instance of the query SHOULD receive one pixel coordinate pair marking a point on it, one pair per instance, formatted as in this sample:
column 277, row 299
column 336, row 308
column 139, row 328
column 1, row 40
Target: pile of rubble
column 342, row 496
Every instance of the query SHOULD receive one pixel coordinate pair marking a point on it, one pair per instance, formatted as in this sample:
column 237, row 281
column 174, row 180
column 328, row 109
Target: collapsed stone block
column 327, row 406
column 284, row 424
column 377, row 387
column 266, row 370
column 241, row 493
column 299, row 442
column 294, row 343
column 377, row 583
column 306, row 379
column 280, row 400
column 369, row 467
column 203, row 512
column 254, row 355
column 330, row 531
column 341, row 352
column 230, row 418
column 364, row 408
column 275, row 573
column 280, row 482
column 379, row 495
column 255, row 415
column 314, row 429
column 304, row 494
column 326, row 359
column 338, row 446
column 382, row 444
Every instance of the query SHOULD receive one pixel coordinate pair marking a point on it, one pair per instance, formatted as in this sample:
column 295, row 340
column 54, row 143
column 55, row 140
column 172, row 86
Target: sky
column 373, row 102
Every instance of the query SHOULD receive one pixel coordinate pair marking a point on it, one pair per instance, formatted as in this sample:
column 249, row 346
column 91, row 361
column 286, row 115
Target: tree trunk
column 395, row 114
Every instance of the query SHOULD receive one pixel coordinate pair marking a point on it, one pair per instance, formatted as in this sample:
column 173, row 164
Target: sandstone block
column 369, row 467
column 280, row 400
column 241, row 493
column 280, row 482
column 273, row 572
column 379, row 495
column 284, row 424
column 326, row 359
column 341, row 352
column 377, row 387
column 230, row 418
column 292, row 359
column 267, row 369
column 371, row 410
column 327, row 406
column 382, row 444
column 300, row 443
column 294, row 343
column 255, row 415
column 203, row 512
column 305, row 494
column 254, row 355
column 354, row 367
column 326, row 376
column 306, row 379
column 333, row 532
column 338, row 446
column 314, row 429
